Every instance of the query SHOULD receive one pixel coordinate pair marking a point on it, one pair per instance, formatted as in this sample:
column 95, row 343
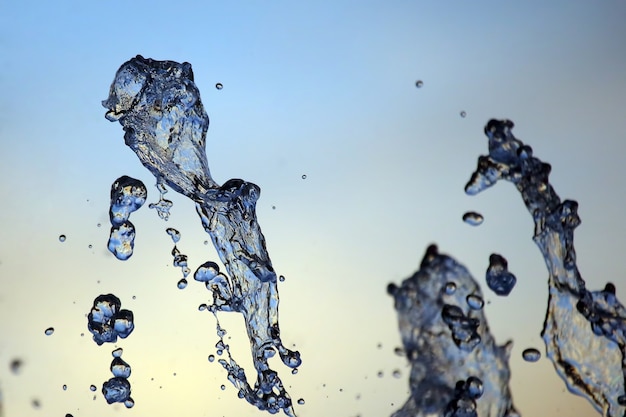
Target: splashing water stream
column 165, row 124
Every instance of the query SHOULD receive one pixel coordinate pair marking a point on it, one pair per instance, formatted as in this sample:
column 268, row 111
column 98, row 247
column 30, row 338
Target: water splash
column 165, row 124
column 584, row 331
column 447, row 341
column 127, row 195
column 106, row 320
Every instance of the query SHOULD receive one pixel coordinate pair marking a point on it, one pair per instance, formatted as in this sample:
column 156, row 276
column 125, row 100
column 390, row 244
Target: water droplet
column 202, row 307
column 36, row 403
column 450, row 288
column 475, row 302
column 92, row 387
column 222, row 387
column 301, row 401
column 273, row 207
column 134, row 297
column 396, row 373
column 49, row 331
column 98, row 225
column 304, row 176
column 419, row 83
column 281, row 278
column 16, row 366
column 294, row 371
column 531, row 355
column 211, row 358
column 380, row 374
column 69, row 415
column 116, row 390
column 90, row 246
column 182, row 284
column 206, row 242
column 174, row 234
column 129, row 403
column 473, row 219
column 498, row 277
column 117, row 353
column 398, row 351
column 206, row 272
column 120, row 368
column 463, row 114
column 62, row 238
column 219, row 86
column 64, row 387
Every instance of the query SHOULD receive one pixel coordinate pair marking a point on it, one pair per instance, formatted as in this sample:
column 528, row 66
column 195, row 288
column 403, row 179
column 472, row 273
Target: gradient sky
column 327, row 90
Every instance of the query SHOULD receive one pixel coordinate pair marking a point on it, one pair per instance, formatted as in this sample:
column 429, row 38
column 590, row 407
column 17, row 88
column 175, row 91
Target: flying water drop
column 498, row 277
column 49, row 331
column 419, row 83
column 219, row 86
column 531, row 355
column 473, row 219
column 106, row 321
column 62, row 238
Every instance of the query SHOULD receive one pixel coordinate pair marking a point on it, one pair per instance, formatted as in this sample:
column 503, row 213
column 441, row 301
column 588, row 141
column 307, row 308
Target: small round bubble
column 531, row 355
column 475, row 302
column 92, row 387
column 64, row 387
column 304, row 176
column 211, row 358
column 49, row 331
column 281, row 278
column 450, row 288
column 62, row 238
column 222, row 387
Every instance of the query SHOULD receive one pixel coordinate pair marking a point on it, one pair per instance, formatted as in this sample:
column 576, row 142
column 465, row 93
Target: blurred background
column 325, row 90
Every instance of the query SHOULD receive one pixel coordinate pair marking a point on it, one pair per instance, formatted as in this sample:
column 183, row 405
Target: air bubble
column 475, row 302
column 49, row 331
column 531, row 355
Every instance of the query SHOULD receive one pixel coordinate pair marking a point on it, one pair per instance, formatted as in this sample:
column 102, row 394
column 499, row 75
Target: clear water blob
column 473, row 219
column 222, row 387
column 127, row 195
column 458, row 338
column 498, row 277
column 301, row 401
column 211, row 358
column 122, row 241
column 281, row 278
column 475, row 301
column 120, row 368
column 62, row 238
column 117, row 353
column 64, row 387
column 531, row 355
column 49, row 331
column 206, row 272
column 174, row 234
column 463, row 113
column 106, row 320
column 584, row 331
column 129, row 403
column 219, row 86
column 304, row 176
column 182, row 284
column 419, row 83
column 116, row 390
column 170, row 142
column 92, row 388
column 396, row 373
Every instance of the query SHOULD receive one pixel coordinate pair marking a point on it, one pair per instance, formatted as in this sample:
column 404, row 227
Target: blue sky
column 327, row 90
